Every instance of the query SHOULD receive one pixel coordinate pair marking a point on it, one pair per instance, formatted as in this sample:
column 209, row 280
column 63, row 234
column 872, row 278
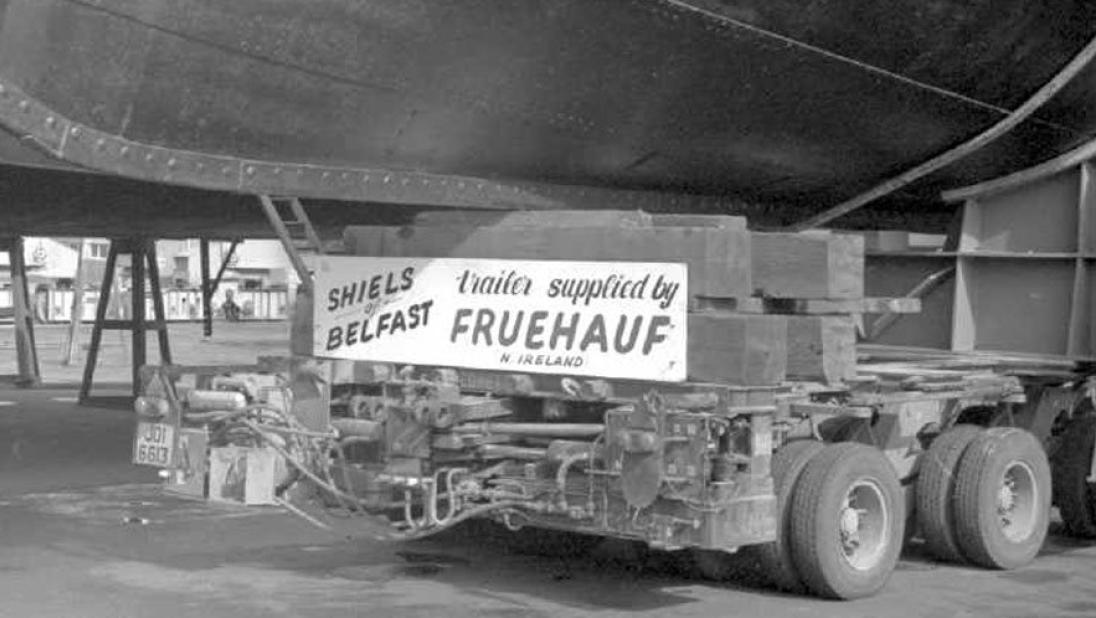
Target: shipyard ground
column 84, row 533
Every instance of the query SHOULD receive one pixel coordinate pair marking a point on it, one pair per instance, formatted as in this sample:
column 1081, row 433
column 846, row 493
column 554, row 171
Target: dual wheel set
column 981, row 495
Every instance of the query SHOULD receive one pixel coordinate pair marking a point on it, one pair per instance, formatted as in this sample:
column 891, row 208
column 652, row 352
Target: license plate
column 154, row 444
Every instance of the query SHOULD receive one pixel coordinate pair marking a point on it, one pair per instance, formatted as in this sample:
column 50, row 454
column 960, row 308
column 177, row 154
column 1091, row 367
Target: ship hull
column 789, row 105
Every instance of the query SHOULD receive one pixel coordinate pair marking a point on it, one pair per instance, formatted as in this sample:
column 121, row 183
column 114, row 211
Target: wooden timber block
column 718, row 258
column 739, row 349
column 573, row 218
column 807, row 306
column 822, row 347
column 808, row 265
column 886, row 240
column 751, row 304
column 840, row 306
column 527, row 218
column 729, row 222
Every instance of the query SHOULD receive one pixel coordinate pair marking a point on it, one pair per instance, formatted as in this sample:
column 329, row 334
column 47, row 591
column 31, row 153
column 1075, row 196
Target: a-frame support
column 210, row 284
column 26, row 350
column 143, row 253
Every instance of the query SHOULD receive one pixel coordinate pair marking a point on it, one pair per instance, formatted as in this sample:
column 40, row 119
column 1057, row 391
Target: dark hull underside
column 788, row 105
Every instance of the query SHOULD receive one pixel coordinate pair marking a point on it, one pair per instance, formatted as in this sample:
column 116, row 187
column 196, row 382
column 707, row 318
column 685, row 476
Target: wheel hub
column 863, row 525
column 1006, row 498
column 850, row 521
column 1017, row 499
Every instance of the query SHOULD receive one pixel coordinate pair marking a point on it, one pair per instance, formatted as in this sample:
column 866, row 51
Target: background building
column 259, row 274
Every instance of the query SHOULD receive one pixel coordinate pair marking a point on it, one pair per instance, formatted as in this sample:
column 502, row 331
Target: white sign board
column 604, row 319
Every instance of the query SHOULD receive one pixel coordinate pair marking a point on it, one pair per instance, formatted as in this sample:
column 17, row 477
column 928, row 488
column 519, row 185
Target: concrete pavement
column 237, row 342
column 83, row 533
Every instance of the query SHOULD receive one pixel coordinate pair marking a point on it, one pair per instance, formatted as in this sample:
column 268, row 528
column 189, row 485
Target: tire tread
column 936, row 491
column 973, row 531
column 776, row 558
column 815, row 485
column 1073, row 492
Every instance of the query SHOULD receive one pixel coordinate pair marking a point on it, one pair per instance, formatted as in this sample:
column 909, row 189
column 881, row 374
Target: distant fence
column 179, row 305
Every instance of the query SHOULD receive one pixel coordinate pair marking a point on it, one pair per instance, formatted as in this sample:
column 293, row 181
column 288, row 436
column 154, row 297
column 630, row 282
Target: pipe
column 299, row 432
column 470, row 513
column 359, row 428
column 505, row 451
column 569, row 430
column 1006, row 124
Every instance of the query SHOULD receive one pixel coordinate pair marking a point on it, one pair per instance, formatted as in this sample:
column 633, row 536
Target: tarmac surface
column 85, row 533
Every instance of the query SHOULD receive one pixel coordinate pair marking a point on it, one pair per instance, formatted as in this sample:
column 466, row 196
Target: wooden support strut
column 25, row 347
column 207, row 289
column 210, row 285
column 143, row 254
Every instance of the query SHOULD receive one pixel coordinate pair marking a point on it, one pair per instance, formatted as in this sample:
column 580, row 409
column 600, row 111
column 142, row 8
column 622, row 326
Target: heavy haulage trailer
column 783, row 438
column 663, row 105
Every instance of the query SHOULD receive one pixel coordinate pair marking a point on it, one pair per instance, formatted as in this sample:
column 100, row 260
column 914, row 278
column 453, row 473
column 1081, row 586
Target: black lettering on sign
column 374, row 327
column 371, row 288
column 561, row 331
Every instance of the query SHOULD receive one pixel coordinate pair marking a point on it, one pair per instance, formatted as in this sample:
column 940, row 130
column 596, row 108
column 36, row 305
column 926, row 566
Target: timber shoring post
column 25, row 349
column 157, row 301
column 142, row 253
column 207, row 290
column 137, row 298
column 100, row 319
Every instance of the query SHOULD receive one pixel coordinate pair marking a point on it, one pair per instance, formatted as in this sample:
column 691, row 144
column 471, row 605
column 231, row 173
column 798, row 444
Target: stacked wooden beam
column 763, row 307
column 817, row 278
column 718, row 255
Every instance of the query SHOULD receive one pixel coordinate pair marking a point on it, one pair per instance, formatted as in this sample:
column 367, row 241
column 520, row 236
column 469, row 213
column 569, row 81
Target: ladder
column 295, row 232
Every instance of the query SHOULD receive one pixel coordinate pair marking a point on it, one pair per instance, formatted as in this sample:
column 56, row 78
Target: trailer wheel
column 848, row 519
column 1002, row 498
column 1075, row 496
column 935, row 491
column 776, row 557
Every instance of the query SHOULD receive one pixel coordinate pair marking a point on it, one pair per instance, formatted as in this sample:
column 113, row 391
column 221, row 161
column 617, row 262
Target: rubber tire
column 776, row 558
column 935, row 491
column 816, row 504
column 976, row 485
column 1074, row 495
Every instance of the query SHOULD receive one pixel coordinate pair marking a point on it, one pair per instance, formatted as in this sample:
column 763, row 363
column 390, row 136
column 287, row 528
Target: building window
column 98, row 249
